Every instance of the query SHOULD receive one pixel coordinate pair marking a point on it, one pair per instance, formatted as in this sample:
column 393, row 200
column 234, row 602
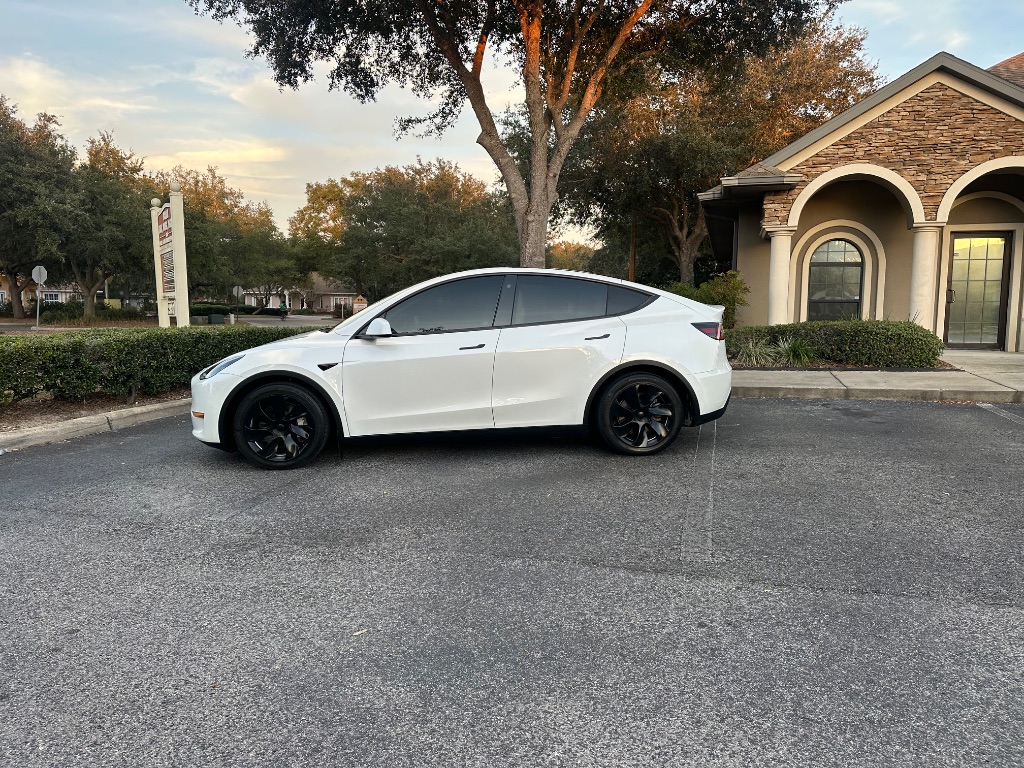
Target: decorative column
column 778, row 274
column 922, row 274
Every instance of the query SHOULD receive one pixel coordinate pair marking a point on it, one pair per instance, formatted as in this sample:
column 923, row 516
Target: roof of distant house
column 1012, row 69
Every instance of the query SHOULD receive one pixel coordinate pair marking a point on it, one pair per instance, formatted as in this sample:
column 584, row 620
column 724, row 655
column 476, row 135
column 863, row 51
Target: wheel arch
column 645, row 366
column 227, row 411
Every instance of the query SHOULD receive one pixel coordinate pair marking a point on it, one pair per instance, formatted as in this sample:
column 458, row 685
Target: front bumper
column 208, row 398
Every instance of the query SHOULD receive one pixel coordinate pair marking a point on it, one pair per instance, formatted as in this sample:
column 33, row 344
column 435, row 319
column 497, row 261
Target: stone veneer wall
column 931, row 139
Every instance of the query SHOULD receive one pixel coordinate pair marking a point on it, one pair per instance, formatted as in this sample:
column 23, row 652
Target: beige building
column 908, row 205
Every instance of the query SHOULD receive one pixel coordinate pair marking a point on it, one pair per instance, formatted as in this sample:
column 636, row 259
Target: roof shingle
column 1012, row 69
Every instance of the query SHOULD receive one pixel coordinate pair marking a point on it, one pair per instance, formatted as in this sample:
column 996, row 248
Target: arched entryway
column 981, row 259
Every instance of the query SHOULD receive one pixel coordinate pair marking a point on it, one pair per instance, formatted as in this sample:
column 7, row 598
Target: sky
column 178, row 89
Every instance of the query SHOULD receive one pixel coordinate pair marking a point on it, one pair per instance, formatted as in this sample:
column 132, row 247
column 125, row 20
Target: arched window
column 834, row 281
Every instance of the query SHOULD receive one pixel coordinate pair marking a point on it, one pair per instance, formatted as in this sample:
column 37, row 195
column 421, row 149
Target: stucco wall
column 985, row 210
column 752, row 263
column 877, row 209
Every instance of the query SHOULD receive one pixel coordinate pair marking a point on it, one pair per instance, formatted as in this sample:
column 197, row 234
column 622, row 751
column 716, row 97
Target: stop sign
column 39, row 274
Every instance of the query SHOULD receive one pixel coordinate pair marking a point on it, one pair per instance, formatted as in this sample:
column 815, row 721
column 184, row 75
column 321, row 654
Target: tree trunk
column 17, row 290
column 89, row 299
column 533, row 236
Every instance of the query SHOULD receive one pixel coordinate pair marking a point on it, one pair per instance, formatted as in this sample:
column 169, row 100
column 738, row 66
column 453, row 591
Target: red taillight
column 711, row 330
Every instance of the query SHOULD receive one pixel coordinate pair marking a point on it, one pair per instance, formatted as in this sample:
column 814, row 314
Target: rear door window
column 541, row 299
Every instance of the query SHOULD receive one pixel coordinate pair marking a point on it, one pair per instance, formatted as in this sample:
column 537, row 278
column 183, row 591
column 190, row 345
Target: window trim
column 832, row 265
column 651, row 297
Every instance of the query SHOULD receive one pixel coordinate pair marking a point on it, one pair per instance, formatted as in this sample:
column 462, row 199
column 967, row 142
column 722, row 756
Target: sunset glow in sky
column 177, row 89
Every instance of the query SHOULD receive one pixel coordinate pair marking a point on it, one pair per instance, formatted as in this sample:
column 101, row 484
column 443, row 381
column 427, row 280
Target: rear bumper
column 713, row 389
column 704, row 418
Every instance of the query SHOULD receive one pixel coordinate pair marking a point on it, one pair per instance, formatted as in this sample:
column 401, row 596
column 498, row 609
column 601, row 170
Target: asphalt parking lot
column 802, row 584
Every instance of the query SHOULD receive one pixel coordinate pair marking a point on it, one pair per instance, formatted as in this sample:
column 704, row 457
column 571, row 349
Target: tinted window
column 622, row 300
column 455, row 306
column 550, row 299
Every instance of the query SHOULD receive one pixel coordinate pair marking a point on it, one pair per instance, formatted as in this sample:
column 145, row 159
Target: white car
column 485, row 349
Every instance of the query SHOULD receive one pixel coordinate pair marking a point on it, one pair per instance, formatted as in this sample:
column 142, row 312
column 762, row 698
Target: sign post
column 39, row 277
column 169, row 259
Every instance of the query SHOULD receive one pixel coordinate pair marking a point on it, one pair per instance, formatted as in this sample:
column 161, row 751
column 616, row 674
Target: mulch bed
column 38, row 411
column 825, row 366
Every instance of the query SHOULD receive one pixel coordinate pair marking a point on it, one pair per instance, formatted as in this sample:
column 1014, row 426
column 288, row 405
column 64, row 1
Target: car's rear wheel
column 639, row 414
column 280, row 426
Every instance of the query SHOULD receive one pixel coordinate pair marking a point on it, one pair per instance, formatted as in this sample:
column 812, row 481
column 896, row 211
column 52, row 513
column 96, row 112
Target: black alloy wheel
column 639, row 414
column 280, row 426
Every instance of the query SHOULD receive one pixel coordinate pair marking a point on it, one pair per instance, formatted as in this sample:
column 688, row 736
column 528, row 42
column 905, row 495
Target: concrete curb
column 111, row 421
column 1002, row 397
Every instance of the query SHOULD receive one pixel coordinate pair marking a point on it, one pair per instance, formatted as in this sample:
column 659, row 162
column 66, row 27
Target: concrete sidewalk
column 983, row 376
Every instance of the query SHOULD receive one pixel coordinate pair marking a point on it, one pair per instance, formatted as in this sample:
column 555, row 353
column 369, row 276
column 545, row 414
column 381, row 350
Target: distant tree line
column 658, row 135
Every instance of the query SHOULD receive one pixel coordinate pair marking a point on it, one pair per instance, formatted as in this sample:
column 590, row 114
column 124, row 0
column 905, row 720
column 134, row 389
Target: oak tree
column 567, row 53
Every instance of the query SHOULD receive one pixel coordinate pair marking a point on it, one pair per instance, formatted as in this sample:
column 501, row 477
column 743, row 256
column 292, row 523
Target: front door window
column 976, row 299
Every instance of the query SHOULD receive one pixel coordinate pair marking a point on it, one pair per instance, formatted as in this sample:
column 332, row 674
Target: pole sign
column 165, row 233
column 169, row 261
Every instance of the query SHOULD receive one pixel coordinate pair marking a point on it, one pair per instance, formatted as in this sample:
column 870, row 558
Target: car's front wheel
column 280, row 426
column 639, row 414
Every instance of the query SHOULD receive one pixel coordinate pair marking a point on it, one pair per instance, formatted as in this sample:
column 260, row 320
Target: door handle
column 595, row 338
column 950, row 296
column 478, row 346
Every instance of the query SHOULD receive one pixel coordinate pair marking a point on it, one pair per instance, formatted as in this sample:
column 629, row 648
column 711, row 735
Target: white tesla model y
column 486, row 349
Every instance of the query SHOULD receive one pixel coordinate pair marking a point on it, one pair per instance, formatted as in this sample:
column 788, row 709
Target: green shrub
column 205, row 310
column 338, row 312
column 727, row 289
column 755, row 353
column 793, row 352
column 303, row 311
column 121, row 361
column 869, row 343
column 72, row 312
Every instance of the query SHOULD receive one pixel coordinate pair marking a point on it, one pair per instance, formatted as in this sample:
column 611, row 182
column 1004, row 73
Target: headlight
column 213, row 370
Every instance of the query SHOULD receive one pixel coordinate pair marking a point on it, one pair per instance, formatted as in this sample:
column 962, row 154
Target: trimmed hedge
column 119, row 361
column 205, row 309
column 870, row 343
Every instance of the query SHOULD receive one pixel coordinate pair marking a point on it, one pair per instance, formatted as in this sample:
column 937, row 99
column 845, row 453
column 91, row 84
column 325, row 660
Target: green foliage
column 755, row 353
column 205, row 310
column 72, row 312
column 656, row 141
column 305, row 311
column 869, row 343
column 792, row 352
column 393, row 227
column 727, row 289
column 36, row 166
column 72, row 365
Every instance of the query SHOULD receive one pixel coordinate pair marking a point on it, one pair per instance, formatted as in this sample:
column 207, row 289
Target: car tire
column 280, row 426
column 639, row 414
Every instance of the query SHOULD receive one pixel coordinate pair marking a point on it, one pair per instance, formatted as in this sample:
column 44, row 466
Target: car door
column 434, row 373
column 559, row 340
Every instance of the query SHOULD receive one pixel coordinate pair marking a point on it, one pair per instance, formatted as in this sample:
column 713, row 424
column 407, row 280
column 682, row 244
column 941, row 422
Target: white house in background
column 323, row 295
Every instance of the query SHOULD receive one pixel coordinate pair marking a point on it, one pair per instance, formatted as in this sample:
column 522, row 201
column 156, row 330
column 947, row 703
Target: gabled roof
column 996, row 84
column 1011, row 69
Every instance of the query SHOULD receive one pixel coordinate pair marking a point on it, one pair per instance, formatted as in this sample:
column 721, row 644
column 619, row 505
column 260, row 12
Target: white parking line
column 1000, row 412
column 696, row 537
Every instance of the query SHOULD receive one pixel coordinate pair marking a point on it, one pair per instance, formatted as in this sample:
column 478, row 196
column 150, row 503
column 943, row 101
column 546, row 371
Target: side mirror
column 378, row 327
